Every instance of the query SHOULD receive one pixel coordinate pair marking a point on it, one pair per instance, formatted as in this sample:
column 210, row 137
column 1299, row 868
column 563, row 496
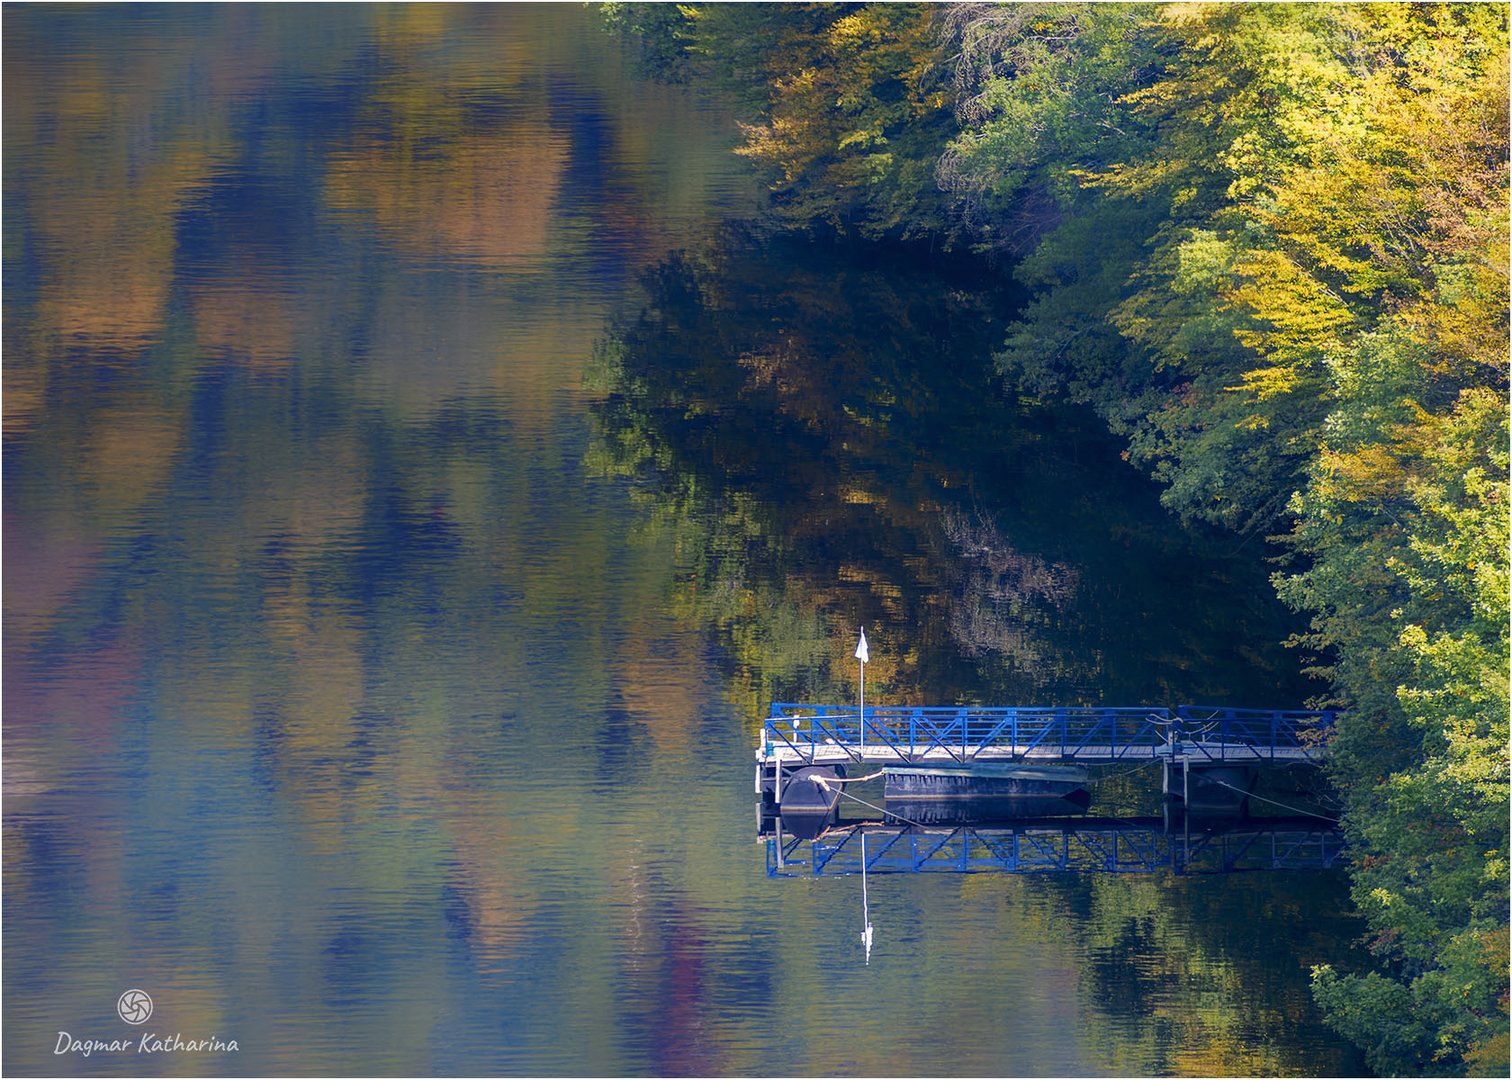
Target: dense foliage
column 1269, row 245
column 847, row 106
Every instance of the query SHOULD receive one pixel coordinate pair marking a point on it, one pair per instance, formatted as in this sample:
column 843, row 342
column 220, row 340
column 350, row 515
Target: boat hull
column 978, row 811
column 983, row 780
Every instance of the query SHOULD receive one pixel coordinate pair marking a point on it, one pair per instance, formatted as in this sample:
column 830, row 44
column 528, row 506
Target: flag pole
column 863, row 656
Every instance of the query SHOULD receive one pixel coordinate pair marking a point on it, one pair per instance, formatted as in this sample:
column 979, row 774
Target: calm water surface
column 414, row 493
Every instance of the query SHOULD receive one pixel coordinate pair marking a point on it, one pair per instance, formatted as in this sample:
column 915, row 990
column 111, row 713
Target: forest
column 1268, row 246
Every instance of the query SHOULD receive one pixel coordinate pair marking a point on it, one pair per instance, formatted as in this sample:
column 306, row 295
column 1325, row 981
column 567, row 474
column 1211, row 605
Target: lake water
column 414, row 493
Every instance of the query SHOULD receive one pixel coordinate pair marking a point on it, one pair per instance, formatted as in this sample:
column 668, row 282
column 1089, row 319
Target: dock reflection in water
column 1063, row 846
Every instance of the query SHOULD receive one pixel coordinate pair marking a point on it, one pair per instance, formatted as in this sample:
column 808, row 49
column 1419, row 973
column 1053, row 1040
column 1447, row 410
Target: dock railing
column 1221, row 733
column 1096, row 733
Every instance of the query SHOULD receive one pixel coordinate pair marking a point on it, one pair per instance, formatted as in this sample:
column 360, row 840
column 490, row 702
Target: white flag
column 861, row 648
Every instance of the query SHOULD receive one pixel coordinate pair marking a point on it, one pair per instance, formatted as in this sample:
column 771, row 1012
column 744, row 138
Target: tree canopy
column 1269, row 245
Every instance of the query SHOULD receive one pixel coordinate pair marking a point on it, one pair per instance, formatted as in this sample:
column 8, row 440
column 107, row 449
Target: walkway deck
column 795, row 735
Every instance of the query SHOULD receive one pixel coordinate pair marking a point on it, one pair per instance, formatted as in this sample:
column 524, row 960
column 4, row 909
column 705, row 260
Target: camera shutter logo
column 135, row 1006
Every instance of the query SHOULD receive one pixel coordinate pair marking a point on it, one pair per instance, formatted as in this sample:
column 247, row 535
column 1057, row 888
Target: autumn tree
column 1278, row 262
column 846, row 107
column 1268, row 244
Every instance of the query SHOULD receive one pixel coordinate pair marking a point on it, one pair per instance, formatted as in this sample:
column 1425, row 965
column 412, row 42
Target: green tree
column 1279, row 266
column 845, row 107
column 1268, row 243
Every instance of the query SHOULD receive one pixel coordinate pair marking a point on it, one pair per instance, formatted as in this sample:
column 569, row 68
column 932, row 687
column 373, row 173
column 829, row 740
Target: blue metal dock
column 1188, row 737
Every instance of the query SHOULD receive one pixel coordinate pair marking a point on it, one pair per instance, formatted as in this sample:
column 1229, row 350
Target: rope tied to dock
column 1273, row 802
column 874, row 806
column 826, row 781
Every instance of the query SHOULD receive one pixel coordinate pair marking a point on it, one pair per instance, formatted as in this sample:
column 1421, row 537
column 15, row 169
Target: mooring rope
column 1273, row 802
column 825, row 782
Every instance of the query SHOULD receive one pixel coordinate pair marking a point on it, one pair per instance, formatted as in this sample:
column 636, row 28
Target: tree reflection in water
column 818, row 426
